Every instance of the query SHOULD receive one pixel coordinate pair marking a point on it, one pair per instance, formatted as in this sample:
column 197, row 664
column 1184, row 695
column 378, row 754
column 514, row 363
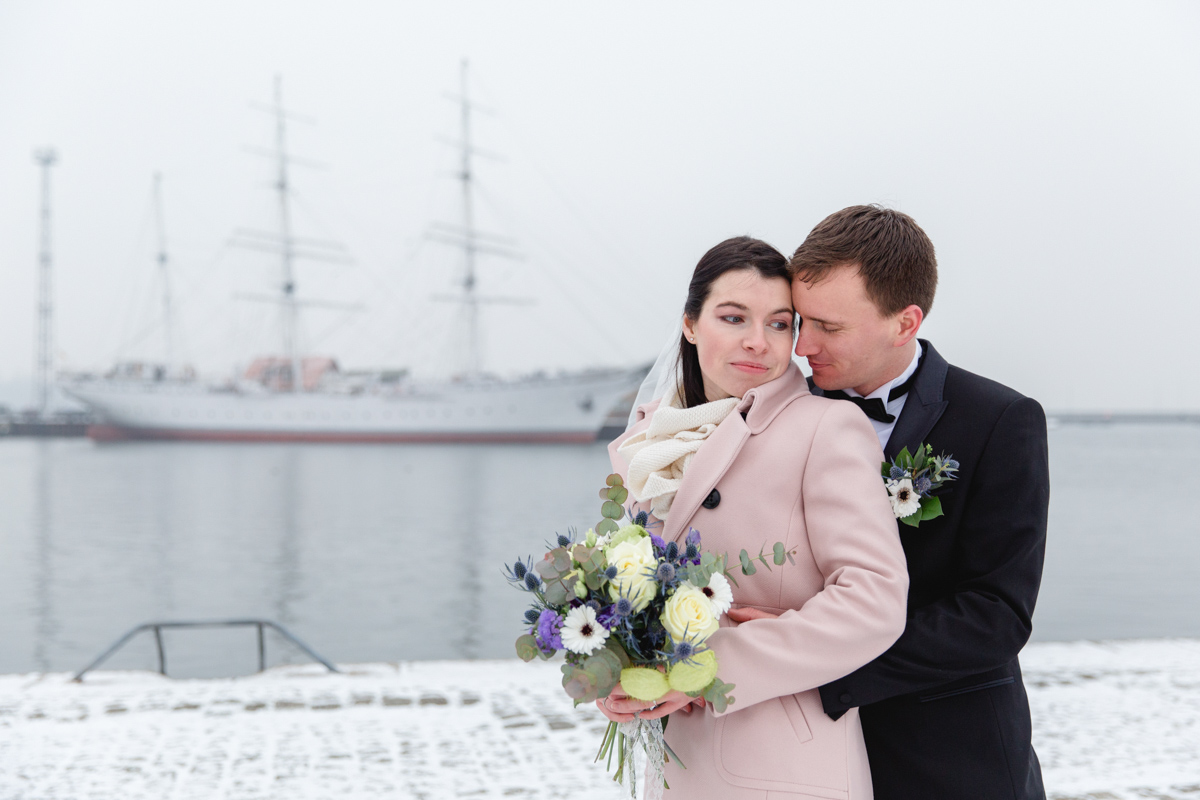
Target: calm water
column 374, row 553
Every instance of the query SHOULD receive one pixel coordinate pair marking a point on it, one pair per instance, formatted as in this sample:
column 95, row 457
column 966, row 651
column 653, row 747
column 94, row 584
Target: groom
column 944, row 712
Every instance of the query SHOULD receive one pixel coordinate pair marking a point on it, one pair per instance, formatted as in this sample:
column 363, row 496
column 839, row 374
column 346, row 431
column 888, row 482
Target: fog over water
column 1050, row 151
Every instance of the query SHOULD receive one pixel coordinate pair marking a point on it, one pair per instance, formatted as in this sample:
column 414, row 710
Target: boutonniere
column 911, row 481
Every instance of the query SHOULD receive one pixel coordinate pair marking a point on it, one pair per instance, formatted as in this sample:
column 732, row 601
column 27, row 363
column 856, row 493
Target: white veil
column 663, row 378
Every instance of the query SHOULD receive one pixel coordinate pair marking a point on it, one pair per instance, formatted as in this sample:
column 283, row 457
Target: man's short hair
column 892, row 253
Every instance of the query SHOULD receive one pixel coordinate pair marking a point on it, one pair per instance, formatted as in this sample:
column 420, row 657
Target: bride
column 736, row 447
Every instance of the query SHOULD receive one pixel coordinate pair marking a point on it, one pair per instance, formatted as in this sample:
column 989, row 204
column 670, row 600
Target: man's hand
column 746, row 614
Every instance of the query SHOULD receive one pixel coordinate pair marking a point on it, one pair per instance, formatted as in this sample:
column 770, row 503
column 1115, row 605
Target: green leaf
column 579, row 684
column 931, row 508
column 912, row 519
column 612, row 510
column 606, row 526
column 618, row 494
column 780, row 554
column 527, row 648
column 614, row 480
column 904, row 459
column 604, row 493
column 885, row 469
column 748, row 568
column 918, row 461
column 614, row 647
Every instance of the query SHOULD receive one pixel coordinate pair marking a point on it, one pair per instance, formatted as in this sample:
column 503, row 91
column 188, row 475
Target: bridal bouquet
column 628, row 607
column 911, row 480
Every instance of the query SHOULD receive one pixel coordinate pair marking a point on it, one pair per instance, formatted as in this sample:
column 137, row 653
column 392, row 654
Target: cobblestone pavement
column 1112, row 722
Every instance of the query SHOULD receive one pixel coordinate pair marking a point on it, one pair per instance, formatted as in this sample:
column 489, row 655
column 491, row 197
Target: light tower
column 45, row 158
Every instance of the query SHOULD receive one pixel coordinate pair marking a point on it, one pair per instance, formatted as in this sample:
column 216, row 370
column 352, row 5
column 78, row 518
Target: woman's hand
column 746, row 614
column 620, row 707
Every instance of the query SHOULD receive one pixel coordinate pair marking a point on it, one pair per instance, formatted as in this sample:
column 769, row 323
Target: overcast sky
column 1051, row 151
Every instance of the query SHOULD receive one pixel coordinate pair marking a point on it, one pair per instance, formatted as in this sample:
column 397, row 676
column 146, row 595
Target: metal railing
column 157, row 628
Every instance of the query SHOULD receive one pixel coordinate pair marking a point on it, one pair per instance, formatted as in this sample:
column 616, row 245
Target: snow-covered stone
column 1112, row 721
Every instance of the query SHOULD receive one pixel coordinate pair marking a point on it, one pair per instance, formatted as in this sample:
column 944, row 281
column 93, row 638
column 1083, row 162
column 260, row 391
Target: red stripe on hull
column 116, row 433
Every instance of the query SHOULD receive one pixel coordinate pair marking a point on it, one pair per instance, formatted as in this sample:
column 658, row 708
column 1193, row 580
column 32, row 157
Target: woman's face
column 743, row 335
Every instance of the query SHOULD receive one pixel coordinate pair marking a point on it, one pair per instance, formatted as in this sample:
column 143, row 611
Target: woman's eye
column 781, row 326
column 732, row 318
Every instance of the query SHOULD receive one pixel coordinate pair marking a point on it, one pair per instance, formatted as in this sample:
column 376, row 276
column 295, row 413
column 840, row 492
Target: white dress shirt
column 884, row 429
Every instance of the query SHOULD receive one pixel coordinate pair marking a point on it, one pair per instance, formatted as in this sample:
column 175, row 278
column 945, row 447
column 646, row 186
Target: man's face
column 848, row 342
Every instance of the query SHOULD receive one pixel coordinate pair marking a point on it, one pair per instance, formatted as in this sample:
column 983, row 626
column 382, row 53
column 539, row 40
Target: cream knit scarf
column 660, row 455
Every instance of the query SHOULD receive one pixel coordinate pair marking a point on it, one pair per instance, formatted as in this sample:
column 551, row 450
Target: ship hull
column 565, row 409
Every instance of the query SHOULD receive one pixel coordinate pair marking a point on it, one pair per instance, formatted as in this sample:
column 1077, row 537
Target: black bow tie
column 874, row 407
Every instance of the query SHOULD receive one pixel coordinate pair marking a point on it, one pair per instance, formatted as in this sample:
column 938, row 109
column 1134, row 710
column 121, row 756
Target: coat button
column 845, row 698
column 713, row 500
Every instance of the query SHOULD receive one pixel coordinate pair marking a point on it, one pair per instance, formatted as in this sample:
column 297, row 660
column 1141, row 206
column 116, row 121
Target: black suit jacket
column 944, row 711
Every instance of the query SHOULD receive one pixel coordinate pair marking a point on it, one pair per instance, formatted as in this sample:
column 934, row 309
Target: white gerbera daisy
column 581, row 633
column 718, row 593
column 905, row 500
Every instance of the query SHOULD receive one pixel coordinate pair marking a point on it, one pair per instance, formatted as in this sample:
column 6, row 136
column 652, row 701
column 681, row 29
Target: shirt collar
column 883, row 391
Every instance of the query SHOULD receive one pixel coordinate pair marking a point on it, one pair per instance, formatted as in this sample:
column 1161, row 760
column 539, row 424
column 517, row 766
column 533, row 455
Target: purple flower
column 658, row 542
column 547, row 630
column 609, row 617
column 693, row 537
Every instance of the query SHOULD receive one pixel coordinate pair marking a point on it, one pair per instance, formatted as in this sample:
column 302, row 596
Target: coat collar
column 758, row 408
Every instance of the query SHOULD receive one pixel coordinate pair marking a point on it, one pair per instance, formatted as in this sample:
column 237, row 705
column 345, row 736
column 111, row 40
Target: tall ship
column 292, row 396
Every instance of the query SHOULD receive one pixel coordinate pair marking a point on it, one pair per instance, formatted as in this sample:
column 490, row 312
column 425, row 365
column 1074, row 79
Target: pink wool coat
column 803, row 470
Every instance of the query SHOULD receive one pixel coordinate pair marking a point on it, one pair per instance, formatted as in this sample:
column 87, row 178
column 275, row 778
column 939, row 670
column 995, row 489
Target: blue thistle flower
column 564, row 541
column 623, row 607
column 672, row 551
column 923, row 485
column 897, row 473
column 517, row 572
column 951, row 465
column 640, row 518
column 532, row 581
column 611, row 573
column 665, row 572
column 683, row 651
column 531, row 616
column 692, row 553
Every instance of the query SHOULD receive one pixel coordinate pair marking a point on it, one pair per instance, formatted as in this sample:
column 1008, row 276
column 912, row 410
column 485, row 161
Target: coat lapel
column 705, row 469
column 924, row 406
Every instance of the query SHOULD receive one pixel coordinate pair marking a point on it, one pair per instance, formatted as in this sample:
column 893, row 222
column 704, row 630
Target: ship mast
column 286, row 246
column 469, row 237
column 45, row 158
column 164, row 273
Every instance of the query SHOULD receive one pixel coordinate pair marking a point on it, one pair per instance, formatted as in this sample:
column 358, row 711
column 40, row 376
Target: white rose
column 689, row 615
column 635, row 563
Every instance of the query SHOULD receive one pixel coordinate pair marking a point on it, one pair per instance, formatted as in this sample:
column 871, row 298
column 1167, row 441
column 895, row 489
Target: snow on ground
column 1112, row 721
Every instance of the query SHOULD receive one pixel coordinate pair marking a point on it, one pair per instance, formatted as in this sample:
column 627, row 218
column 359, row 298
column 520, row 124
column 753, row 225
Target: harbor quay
column 1112, row 721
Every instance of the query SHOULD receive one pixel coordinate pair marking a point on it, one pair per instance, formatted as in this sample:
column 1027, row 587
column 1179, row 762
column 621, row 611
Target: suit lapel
column 924, row 406
column 705, row 469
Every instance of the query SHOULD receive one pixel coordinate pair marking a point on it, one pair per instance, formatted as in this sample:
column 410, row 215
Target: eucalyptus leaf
column 612, row 510
column 605, row 526
column 618, row 494
column 780, row 554
column 614, row 480
column 748, row 567
column 527, row 648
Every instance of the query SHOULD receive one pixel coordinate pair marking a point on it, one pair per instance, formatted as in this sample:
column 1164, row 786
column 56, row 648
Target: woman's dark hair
column 740, row 252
